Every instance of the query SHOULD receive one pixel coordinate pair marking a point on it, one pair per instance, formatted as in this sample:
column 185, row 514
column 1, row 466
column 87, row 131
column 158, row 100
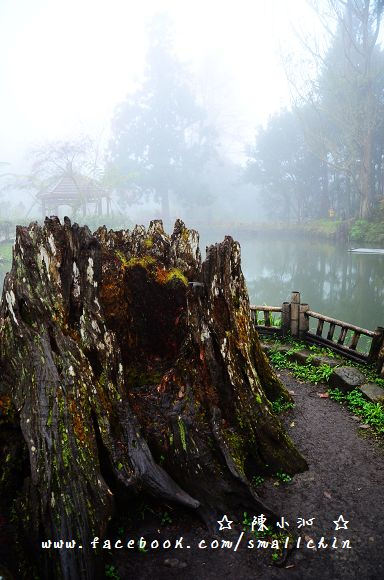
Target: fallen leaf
column 323, row 395
column 291, row 393
column 363, row 427
column 328, row 495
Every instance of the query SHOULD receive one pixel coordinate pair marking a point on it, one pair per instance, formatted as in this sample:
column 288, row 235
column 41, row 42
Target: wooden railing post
column 285, row 318
column 376, row 344
column 295, row 313
column 303, row 320
column 295, row 320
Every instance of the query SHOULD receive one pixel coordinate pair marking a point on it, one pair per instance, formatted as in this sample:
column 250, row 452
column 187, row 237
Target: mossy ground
column 371, row 413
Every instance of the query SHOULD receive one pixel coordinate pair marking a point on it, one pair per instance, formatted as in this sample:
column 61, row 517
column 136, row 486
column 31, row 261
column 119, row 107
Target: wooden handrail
column 295, row 320
column 267, row 308
column 331, row 320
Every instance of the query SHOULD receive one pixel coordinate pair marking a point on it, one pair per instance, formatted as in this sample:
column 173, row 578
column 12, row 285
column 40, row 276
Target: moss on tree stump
column 121, row 351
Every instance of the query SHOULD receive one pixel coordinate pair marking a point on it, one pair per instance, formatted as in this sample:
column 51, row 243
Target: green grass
column 360, row 230
column 304, row 372
column 297, row 345
column 275, row 320
column 371, row 413
column 6, row 251
column 283, row 477
column 165, row 519
column 111, row 572
column 280, row 405
column 369, row 371
column 321, row 351
column 364, row 231
column 257, row 480
column 268, row 534
column 310, row 372
column 323, row 227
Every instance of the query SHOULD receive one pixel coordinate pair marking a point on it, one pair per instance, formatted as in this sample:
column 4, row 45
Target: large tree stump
column 120, row 351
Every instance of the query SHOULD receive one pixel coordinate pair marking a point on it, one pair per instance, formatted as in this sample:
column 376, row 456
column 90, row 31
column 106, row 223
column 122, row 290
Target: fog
column 221, row 113
column 67, row 67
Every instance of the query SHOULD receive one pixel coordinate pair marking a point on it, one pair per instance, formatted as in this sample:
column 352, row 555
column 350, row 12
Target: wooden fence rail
column 341, row 337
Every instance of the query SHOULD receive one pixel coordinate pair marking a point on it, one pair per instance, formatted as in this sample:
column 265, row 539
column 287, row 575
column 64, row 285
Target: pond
column 331, row 280
column 5, row 260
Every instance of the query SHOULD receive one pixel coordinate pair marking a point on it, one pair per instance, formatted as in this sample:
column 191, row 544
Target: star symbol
column 341, row 523
column 225, row 524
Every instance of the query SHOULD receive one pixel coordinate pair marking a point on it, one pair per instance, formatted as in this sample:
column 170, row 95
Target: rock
column 300, row 356
column 346, row 378
column 304, row 356
column 380, row 362
column 372, row 392
column 325, row 360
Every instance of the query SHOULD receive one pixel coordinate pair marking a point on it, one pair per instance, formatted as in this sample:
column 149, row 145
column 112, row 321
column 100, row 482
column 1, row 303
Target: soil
column 345, row 477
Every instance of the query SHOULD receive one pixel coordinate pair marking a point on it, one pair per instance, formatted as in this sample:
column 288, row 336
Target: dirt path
column 346, row 476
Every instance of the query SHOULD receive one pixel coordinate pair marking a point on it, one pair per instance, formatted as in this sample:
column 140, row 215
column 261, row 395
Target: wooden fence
column 340, row 336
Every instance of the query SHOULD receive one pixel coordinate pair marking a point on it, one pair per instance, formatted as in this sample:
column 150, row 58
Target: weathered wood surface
column 347, row 325
column 266, row 308
column 381, row 361
column 295, row 319
column 112, row 363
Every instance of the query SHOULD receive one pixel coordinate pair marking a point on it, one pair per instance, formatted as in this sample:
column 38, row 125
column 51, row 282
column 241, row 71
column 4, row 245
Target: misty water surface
column 331, row 280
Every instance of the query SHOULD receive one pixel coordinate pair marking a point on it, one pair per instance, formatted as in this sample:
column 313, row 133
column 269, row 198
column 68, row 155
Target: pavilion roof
column 72, row 186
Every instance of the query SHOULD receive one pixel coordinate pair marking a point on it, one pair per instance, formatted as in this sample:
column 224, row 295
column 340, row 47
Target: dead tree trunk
column 121, row 348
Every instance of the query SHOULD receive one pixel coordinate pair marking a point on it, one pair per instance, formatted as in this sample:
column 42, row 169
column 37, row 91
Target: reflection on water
column 333, row 281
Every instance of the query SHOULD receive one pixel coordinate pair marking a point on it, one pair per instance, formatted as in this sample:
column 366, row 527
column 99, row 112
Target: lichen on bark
column 120, row 351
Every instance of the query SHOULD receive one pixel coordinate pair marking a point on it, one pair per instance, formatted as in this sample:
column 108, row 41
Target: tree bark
column 324, row 191
column 121, row 351
column 366, row 179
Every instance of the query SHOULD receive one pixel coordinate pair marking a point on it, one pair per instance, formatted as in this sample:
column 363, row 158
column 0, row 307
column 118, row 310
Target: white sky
column 66, row 64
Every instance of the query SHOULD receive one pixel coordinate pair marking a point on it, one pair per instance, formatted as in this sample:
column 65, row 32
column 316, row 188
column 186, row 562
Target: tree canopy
column 330, row 146
column 161, row 141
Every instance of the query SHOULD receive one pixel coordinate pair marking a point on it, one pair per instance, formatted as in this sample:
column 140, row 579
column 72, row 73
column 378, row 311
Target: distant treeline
column 321, row 160
column 325, row 157
column 6, row 230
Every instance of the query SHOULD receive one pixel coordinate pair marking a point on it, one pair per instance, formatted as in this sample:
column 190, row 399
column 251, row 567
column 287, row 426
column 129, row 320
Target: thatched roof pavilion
column 78, row 192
